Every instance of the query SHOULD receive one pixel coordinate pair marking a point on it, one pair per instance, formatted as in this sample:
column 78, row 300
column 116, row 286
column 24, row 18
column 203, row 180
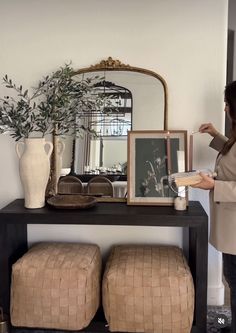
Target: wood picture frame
column 152, row 157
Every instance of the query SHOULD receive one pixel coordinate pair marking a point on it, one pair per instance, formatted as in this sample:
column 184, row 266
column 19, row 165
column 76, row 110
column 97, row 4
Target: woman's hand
column 207, row 183
column 208, row 128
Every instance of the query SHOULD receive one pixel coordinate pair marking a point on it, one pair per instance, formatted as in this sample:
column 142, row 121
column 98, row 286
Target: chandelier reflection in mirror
column 114, row 117
column 107, row 113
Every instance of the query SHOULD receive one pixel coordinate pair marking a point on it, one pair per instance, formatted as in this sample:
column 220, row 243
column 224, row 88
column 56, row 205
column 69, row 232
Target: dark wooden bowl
column 72, row 201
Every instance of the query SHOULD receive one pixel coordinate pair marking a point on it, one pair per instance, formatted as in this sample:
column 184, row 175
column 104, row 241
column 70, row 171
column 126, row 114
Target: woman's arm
column 218, row 139
column 208, row 128
column 218, row 142
column 207, row 183
column 224, row 190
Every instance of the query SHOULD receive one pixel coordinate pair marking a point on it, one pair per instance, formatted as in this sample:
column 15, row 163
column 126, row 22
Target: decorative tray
column 72, row 201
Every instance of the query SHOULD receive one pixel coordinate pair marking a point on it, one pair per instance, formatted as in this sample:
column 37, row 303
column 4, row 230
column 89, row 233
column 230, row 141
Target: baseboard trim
column 215, row 295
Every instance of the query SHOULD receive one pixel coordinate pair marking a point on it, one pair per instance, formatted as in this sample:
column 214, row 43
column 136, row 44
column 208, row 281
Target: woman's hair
column 230, row 99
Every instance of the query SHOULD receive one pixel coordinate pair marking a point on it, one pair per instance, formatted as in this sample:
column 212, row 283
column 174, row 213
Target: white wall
column 120, row 147
column 183, row 40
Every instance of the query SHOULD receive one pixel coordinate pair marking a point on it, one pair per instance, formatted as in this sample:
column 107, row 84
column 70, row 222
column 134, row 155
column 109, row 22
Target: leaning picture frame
column 152, row 157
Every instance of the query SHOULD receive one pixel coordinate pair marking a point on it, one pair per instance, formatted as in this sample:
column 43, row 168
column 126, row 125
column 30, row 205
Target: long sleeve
column 218, row 142
column 225, row 183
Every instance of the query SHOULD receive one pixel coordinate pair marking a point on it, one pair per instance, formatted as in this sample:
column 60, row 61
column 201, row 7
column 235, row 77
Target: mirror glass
column 135, row 99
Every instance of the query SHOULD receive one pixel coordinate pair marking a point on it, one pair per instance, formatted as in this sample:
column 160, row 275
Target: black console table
column 13, row 241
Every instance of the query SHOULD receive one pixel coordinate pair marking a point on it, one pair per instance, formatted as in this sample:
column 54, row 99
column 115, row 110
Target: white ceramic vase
column 34, row 167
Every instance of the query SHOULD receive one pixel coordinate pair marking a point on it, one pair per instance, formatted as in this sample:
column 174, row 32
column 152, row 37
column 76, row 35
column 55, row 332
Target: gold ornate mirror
column 141, row 95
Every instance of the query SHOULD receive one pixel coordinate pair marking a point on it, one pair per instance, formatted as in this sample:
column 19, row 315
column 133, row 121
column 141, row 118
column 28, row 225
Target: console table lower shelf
column 14, row 219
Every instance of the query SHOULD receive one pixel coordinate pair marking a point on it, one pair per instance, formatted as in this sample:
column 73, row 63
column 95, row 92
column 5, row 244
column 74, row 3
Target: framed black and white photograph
column 152, row 157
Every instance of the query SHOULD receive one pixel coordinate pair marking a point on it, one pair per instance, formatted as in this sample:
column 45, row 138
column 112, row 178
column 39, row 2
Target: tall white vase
column 34, row 167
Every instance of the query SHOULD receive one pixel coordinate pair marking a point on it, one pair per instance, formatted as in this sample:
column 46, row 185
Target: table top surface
column 109, row 213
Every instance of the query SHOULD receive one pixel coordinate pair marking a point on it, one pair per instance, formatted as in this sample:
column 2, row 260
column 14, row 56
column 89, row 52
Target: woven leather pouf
column 148, row 289
column 56, row 285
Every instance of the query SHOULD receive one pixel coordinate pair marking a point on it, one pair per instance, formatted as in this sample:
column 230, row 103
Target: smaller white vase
column 34, row 168
column 59, row 145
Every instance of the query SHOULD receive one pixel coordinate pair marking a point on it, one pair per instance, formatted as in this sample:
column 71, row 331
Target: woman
column 223, row 195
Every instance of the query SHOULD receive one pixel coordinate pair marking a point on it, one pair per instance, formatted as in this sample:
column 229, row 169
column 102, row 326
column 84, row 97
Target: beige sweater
column 223, row 199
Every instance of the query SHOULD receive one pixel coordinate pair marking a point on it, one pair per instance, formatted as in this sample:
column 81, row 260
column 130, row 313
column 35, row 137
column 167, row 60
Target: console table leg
column 13, row 244
column 198, row 258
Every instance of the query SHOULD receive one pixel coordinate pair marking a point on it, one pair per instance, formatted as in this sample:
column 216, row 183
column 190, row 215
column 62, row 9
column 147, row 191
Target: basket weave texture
column 56, row 285
column 148, row 289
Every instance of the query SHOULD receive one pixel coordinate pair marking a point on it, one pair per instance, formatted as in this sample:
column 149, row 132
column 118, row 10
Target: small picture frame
column 152, row 157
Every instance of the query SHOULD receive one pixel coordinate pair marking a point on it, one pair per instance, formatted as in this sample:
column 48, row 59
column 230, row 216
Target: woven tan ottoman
column 148, row 289
column 56, row 285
